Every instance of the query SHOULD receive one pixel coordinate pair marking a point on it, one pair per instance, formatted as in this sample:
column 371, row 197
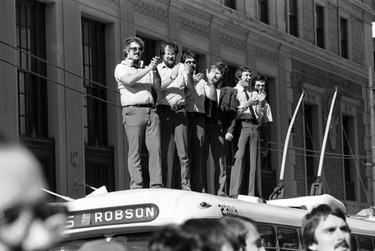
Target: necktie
column 246, row 94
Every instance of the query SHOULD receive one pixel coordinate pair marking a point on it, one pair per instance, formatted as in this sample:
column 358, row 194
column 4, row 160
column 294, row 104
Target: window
column 310, row 151
column 95, row 108
column 149, row 51
column 288, row 239
column 319, row 22
column 32, row 87
column 263, row 11
column 348, row 143
column 344, row 37
column 230, row 3
column 230, row 77
column 365, row 244
column 293, row 18
column 269, row 237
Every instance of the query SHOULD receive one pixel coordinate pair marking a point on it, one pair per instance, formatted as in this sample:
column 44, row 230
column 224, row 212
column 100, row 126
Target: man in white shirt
column 249, row 121
column 141, row 122
column 171, row 101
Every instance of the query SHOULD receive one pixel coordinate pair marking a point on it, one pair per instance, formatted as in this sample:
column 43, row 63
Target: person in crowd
column 325, row 228
column 212, row 234
column 220, row 121
column 141, row 122
column 27, row 222
column 101, row 245
column 253, row 111
column 195, row 111
column 246, row 231
column 171, row 101
column 173, row 238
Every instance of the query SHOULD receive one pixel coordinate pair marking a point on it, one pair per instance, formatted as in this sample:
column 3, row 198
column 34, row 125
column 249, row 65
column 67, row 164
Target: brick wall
column 333, row 32
column 332, row 165
column 357, row 31
column 308, row 19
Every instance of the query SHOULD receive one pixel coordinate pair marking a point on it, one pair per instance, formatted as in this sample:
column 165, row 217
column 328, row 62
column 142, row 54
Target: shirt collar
column 130, row 63
column 240, row 88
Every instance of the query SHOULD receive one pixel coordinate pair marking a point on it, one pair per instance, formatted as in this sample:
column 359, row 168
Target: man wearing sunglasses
column 195, row 98
column 141, row 122
column 26, row 221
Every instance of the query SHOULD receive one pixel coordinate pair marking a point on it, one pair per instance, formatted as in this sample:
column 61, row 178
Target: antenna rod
column 58, row 195
column 288, row 135
column 326, row 134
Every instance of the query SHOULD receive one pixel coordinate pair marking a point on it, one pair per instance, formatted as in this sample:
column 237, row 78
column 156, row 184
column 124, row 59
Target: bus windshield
column 131, row 242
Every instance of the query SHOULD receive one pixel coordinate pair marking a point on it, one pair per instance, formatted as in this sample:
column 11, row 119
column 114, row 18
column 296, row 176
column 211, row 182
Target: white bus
column 132, row 216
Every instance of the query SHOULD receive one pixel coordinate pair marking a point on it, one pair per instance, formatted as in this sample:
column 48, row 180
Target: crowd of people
column 28, row 223
column 323, row 229
column 174, row 108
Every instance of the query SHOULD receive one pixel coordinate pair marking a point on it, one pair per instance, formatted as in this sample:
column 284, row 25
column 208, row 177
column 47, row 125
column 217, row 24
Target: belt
column 140, row 105
column 174, row 108
column 252, row 121
column 196, row 115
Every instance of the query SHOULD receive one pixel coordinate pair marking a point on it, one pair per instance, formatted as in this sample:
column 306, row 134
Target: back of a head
column 21, row 178
column 173, row 238
column 102, row 245
column 213, row 234
column 239, row 225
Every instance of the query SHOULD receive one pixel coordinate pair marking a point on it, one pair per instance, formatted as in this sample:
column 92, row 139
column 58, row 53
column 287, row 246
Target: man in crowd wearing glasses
column 26, row 221
column 195, row 111
column 141, row 122
column 175, row 78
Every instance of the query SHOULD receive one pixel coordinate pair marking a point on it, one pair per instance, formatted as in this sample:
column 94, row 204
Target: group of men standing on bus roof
column 170, row 106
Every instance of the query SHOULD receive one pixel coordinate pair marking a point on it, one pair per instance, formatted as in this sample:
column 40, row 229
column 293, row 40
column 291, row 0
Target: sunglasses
column 190, row 62
column 43, row 212
column 134, row 49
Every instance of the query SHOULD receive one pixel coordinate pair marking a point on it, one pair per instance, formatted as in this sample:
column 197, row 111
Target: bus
column 132, row 216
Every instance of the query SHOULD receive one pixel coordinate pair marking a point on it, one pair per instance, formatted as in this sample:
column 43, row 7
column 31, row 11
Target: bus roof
column 309, row 202
column 152, row 208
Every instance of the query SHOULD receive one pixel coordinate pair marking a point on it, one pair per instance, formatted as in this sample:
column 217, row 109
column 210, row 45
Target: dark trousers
column 196, row 135
column 215, row 140
column 173, row 127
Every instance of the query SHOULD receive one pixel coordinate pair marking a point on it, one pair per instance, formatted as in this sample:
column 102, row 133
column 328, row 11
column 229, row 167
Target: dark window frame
column 94, row 83
column 263, row 11
column 31, row 76
column 293, row 17
column 344, row 43
column 319, row 29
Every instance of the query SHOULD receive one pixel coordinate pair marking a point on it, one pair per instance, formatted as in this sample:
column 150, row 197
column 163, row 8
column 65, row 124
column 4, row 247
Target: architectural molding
column 230, row 41
column 267, row 55
column 193, row 27
column 149, row 10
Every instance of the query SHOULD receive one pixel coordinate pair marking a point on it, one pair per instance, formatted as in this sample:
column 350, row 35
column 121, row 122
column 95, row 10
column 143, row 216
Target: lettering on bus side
column 227, row 210
column 112, row 215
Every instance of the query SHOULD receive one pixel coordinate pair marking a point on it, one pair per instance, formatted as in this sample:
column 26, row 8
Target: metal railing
column 44, row 150
column 99, row 167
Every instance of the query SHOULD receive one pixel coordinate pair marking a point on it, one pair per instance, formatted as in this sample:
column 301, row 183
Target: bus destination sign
column 113, row 215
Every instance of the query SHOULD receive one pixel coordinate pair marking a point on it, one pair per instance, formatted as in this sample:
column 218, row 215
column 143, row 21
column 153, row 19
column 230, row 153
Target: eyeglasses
column 134, row 49
column 190, row 62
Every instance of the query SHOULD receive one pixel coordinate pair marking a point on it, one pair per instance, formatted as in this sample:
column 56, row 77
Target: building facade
column 59, row 96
